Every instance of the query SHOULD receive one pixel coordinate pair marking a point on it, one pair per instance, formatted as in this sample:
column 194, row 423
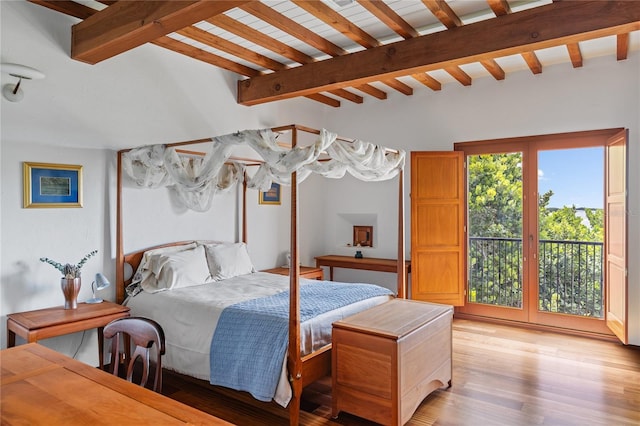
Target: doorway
column 535, row 220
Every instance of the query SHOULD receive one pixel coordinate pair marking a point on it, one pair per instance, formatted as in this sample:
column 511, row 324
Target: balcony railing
column 570, row 275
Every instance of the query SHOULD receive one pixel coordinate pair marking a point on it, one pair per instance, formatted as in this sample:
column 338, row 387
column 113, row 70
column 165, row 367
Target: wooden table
column 368, row 263
column 43, row 387
column 53, row 322
column 308, row 272
column 387, row 359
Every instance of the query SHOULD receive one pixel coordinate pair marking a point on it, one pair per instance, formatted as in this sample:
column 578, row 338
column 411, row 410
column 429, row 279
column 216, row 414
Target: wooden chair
column 144, row 333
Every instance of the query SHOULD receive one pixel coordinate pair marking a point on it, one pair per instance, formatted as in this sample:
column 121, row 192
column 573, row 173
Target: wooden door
column 437, row 227
column 616, row 235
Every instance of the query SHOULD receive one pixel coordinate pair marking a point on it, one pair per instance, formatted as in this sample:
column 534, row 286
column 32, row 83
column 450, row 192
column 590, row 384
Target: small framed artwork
column 363, row 236
column 272, row 196
column 51, row 185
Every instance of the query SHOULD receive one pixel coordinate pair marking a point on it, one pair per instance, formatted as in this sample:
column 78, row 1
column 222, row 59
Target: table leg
column 101, row 347
column 11, row 339
column 330, row 273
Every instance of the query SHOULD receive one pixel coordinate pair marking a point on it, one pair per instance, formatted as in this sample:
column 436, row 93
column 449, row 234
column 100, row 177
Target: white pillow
column 228, row 260
column 176, row 270
column 144, row 272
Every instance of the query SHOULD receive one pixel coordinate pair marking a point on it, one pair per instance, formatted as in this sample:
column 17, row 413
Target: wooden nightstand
column 308, row 272
column 52, row 322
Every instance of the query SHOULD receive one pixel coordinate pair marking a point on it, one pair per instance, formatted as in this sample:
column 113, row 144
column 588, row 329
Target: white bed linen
column 189, row 317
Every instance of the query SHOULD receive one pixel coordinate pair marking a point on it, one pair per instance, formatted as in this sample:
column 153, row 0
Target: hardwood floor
column 502, row 375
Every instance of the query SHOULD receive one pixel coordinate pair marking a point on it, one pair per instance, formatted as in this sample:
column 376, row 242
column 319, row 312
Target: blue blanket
column 250, row 341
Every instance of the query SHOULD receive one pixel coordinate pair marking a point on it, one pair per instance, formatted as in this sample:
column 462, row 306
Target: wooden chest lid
column 395, row 318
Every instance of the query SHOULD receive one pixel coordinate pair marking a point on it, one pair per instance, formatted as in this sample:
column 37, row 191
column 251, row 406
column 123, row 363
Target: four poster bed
column 198, row 289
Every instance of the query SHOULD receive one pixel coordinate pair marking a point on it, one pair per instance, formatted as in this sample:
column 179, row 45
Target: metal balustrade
column 570, row 275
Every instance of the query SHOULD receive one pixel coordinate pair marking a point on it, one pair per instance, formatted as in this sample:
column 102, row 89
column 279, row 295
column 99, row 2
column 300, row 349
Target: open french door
column 436, row 232
column 616, row 235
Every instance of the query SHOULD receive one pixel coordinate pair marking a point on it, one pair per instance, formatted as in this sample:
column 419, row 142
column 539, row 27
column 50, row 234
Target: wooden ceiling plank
column 574, row 54
column 245, row 31
column 552, row 25
column 255, row 36
column 494, row 69
column 428, row 81
column 622, row 46
column 458, row 74
column 499, row 7
column 289, row 26
column 348, row 29
column 329, row 16
column 210, row 58
column 70, row 8
column 443, row 12
column 128, row 24
column 219, row 43
column 533, row 62
column 389, row 17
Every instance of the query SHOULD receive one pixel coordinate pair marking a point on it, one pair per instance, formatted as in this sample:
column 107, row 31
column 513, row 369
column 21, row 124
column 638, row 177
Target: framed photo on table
column 272, row 196
column 51, row 185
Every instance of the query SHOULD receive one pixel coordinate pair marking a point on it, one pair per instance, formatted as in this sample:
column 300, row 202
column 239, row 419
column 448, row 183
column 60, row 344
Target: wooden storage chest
column 387, row 359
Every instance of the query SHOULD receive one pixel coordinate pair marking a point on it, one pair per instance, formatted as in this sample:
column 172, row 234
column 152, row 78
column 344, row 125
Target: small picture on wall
column 272, row 196
column 51, row 185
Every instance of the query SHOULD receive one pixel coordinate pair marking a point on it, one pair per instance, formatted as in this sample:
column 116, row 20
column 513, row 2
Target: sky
column 576, row 176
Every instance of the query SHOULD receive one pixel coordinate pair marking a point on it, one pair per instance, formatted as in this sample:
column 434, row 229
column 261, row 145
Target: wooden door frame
column 529, row 145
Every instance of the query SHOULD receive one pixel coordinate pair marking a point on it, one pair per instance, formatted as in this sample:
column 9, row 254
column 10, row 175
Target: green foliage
column 69, row 270
column 570, row 247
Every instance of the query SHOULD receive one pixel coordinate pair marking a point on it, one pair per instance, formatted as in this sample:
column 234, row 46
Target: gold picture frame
column 272, row 196
column 48, row 185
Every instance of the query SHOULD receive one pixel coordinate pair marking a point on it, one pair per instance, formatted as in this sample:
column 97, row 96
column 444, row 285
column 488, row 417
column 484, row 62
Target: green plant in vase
column 70, row 281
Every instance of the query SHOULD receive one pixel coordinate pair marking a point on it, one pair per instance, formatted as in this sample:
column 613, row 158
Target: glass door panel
column 495, row 221
column 571, row 231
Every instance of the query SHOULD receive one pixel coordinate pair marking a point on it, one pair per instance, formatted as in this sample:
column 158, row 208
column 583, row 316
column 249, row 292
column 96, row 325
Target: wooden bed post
column 244, row 208
column 402, row 277
column 119, row 242
column 294, row 361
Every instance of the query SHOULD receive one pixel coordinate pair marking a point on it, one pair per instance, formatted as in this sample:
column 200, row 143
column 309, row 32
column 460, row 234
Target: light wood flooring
column 502, row 375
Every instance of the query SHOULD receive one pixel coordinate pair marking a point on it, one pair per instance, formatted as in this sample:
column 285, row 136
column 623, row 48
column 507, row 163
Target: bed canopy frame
column 302, row 370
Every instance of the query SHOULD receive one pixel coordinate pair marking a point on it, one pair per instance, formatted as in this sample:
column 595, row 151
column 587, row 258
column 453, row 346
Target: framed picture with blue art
column 272, row 196
column 51, row 185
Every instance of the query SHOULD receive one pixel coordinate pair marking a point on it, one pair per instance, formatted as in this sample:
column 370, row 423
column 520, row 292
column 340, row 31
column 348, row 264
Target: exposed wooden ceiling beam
column 389, row 17
column 533, row 62
column 538, row 28
column 574, row 54
column 494, row 69
column 443, row 12
column 70, row 8
column 427, row 80
column 128, row 24
column 291, row 27
column 255, row 36
column 350, row 30
column 204, row 56
column 499, row 7
column 622, row 46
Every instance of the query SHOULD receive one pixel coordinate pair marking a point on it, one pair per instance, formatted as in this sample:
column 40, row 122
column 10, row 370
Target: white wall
column 81, row 114
column 605, row 93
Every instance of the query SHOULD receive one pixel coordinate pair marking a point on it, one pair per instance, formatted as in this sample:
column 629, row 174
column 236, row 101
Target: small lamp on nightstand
column 100, row 283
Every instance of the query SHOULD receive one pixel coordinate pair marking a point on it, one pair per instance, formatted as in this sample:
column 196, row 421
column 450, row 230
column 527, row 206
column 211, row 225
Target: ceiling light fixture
column 14, row 93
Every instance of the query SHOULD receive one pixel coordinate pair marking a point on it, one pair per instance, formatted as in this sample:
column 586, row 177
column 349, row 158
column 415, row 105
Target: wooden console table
column 367, row 263
column 53, row 322
column 43, row 387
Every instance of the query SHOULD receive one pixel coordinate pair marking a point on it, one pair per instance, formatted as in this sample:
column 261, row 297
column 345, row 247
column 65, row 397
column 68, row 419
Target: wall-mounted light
column 13, row 92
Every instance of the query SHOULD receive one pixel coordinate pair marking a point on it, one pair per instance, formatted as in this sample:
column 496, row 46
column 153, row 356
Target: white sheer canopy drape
column 196, row 179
